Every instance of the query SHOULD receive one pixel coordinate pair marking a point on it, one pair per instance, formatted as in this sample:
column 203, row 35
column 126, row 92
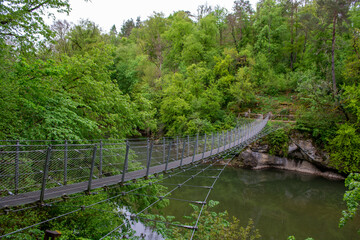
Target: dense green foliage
column 179, row 74
column 351, row 197
column 211, row 225
column 278, row 142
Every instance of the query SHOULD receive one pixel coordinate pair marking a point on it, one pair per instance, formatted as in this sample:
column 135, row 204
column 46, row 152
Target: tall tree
column 127, row 27
column 239, row 21
column 150, row 39
column 334, row 12
column 61, row 29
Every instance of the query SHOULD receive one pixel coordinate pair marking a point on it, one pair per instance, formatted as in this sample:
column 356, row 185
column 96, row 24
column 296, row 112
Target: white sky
column 106, row 13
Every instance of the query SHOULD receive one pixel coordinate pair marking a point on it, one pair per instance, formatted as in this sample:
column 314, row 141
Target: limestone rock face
column 303, row 156
column 299, row 162
column 306, row 149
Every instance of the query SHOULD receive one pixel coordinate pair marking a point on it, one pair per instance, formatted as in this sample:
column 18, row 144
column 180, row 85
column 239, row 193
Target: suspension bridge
column 40, row 173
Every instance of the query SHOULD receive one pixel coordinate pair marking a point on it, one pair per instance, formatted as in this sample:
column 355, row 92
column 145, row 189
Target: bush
column 278, row 143
column 344, row 148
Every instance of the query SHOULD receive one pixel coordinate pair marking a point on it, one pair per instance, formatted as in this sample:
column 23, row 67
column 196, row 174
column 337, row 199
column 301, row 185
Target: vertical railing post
column 197, row 142
column 195, row 147
column 100, row 158
column 219, row 144
column 235, row 136
column 17, row 159
column 164, row 149
column 168, row 157
column 182, row 153
column 204, row 149
column 225, row 139
column 177, row 148
column 45, row 174
column 230, row 138
column 241, row 134
column 247, row 132
column 65, row 161
column 188, row 139
column 92, row 168
column 149, row 158
column 125, row 161
column 212, row 143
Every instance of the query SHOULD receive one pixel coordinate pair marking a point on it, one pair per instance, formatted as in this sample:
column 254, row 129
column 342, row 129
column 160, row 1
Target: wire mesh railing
column 28, row 166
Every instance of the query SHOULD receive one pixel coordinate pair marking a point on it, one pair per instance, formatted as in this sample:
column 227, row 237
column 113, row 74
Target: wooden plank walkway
column 33, row 197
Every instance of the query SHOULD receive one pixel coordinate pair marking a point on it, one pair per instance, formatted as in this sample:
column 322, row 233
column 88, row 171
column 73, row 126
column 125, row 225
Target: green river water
column 281, row 203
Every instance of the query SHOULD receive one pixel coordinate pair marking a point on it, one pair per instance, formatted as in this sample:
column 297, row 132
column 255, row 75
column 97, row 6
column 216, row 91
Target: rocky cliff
column 302, row 156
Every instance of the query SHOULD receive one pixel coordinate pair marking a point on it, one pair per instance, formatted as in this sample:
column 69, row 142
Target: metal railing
column 27, row 166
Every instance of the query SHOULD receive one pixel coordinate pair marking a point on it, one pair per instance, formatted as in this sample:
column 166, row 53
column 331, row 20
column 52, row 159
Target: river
column 281, row 203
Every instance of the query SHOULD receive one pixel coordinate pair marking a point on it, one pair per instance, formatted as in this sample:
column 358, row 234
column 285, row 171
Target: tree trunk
column 305, row 41
column 333, row 55
column 292, row 37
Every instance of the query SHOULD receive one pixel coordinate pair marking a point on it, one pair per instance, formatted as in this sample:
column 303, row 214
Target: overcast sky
column 106, row 13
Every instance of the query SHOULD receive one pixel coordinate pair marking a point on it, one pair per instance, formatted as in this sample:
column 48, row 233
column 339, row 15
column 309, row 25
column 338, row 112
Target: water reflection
column 281, row 203
column 141, row 231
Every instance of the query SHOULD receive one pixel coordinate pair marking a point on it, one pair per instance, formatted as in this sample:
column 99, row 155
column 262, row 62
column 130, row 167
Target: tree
column 203, row 11
column 202, row 45
column 221, row 14
column 271, row 28
column 180, row 27
column 335, row 12
column 84, row 37
column 351, row 197
column 239, row 23
column 127, row 27
column 150, row 39
column 61, row 30
column 22, row 23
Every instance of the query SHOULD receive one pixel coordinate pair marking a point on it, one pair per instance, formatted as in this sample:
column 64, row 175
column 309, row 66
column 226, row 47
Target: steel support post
column 65, row 161
column 195, row 147
column 101, row 158
column 188, row 140
column 45, row 174
column 168, row 157
column 149, row 159
column 92, row 168
column 164, row 150
column 225, row 140
column 236, row 136
column 219, row 142
column 182, row 154
column 177, row 148
column 126, row 162
column 197, row 142
column 230, row 138
column 212, row 143
column 17, row 160
column 204, row 149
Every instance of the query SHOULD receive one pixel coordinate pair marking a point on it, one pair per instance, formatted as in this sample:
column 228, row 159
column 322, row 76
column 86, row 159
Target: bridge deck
column 32, row 197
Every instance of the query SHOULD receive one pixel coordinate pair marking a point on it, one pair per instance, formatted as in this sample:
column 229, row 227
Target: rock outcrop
column 303, row 156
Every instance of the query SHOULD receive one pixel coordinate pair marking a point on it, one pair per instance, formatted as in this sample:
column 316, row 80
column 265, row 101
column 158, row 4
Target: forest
column 184, row 74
